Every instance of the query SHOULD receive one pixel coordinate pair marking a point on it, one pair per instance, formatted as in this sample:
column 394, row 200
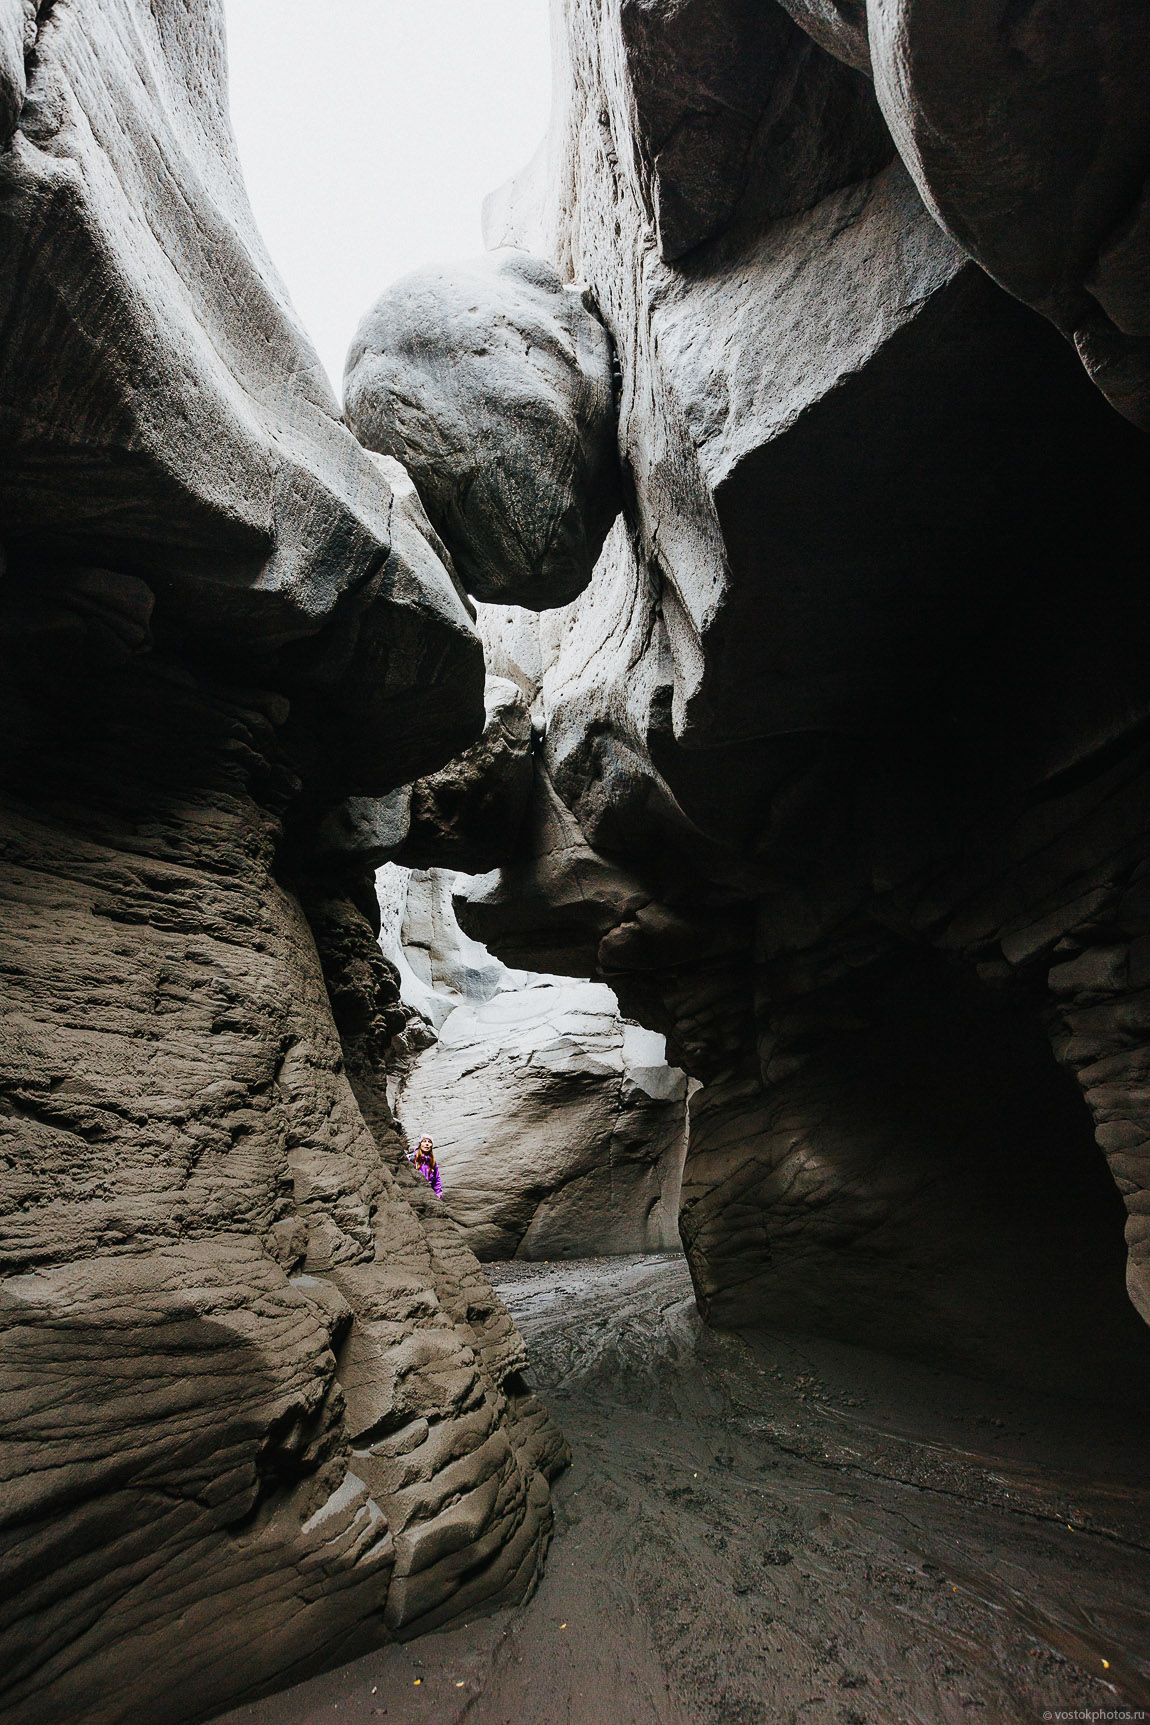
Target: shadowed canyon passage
column 700, row 671
column 768, row 1527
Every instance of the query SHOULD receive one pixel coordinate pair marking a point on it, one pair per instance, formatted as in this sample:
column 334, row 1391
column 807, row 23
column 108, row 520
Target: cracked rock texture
column 260, row 1408
column 559, row 1128
column 841, row 780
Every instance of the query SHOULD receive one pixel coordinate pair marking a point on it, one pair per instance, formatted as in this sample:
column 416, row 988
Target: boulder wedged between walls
column 840, row 762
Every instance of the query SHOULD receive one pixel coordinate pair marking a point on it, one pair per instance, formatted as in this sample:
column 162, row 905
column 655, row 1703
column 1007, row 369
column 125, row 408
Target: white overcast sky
column 370, row 131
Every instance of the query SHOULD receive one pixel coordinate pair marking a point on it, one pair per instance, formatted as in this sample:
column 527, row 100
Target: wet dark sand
column 783, row 1531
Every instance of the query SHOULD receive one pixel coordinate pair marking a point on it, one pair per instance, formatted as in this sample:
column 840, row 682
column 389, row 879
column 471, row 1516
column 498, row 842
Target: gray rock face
column 1026, row 133
column 162, row 413
column 1052, row 200
column 492, row 383
column 198, row 1217
column 438, row 965
column 732, row 108
column 840, row 760
column 260, row 1407
column 560, row 1129
column 839, row 26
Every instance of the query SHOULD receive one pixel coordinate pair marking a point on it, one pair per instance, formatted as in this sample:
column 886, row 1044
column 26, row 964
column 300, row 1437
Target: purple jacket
column 432, row 1176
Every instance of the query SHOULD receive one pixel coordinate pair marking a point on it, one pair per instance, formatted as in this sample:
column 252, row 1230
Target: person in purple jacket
column 426, row 1165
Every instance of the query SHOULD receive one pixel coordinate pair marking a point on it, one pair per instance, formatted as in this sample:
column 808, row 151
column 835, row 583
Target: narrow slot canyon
column 575, row 915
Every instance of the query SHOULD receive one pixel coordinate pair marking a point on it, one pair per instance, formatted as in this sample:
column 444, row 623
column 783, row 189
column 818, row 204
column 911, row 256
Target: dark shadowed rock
column 839, row 26
column 834, row 768
column 361, row 832
column 734, row 108
column 1026, row 131
column 260, row 1407
column 466, row 816
column 201, row 1205
column 840, row 782
column 491, row 382
column 163, row 414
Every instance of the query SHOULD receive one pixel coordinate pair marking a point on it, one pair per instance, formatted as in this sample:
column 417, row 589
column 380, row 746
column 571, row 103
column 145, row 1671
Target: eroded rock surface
column 492, row 383
column 841, row 778
column 754, row 1524
column 224, row 1314
column 835, row 770
column 465, row 816
column 559, row 1128
column 1027, row 132
column 259, row 1406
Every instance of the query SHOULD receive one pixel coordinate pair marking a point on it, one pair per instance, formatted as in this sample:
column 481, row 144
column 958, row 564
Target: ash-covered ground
column 778, row 1530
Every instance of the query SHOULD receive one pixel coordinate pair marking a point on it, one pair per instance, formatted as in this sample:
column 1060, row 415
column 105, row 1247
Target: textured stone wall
column 806, row 332
column 243, row 1367
column 259, row 1407
column 840, row 772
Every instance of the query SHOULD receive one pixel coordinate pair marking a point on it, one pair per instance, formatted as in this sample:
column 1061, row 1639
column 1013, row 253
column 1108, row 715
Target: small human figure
column 426, row 1165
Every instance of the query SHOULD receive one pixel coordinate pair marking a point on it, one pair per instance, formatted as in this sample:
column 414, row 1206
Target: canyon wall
column 842, row 775
column 800, row 394
column 260, row 1407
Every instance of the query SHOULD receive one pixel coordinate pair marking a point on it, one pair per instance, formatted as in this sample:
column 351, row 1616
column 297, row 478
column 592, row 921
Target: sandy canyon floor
column 775, row 1530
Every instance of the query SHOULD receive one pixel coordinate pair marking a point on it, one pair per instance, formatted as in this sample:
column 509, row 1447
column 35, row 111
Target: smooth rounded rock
column 492, row 382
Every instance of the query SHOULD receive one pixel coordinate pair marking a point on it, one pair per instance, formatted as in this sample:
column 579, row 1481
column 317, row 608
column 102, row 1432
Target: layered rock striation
column 841, row 777
column 792, row 379
column 260, row 1407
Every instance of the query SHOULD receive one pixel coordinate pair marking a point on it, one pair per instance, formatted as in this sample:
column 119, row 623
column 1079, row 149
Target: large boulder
column 841, row 752
column 492, row 383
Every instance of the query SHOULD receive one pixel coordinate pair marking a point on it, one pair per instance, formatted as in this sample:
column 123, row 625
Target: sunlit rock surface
column 260, row 1408
column 559, row 1128
column 842, row 773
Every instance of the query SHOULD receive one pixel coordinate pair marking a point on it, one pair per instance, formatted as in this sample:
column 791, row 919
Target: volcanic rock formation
column 559, row 1128
column 260, row 1406
column 842, row 779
